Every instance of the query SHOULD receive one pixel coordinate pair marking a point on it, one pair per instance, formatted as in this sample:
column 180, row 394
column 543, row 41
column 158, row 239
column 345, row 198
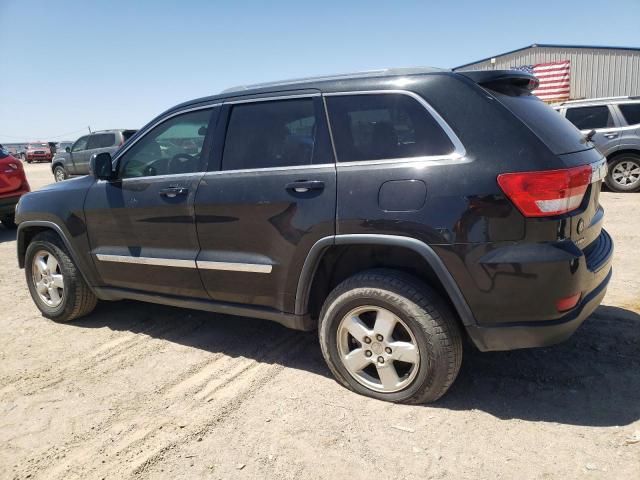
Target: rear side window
column 631, row 112
column 588, row 118
column 101, row 140
column 270, row 134
column 384, row 126
column 550, row 127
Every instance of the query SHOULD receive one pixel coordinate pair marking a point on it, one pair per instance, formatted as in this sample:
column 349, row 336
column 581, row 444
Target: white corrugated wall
column 595, row 72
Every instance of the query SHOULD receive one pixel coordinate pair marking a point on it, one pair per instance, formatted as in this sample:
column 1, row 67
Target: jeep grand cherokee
column 395, row 211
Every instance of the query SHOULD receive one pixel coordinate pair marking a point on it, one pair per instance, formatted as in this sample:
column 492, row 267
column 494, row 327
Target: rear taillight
column 548, row 192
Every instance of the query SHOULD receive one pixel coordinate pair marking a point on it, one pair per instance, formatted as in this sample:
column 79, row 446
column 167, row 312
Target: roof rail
column 599, row 99
column 341, row 76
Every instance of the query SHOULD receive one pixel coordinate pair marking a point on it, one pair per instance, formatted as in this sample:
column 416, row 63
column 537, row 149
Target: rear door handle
column 173, row 192
column 302, row 186
column 611, row 135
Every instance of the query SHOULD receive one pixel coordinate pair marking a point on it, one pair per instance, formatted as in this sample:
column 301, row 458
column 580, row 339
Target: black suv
column 396, row 211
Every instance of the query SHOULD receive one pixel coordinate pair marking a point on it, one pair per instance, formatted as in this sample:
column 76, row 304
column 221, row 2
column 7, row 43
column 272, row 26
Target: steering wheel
column 182, row 163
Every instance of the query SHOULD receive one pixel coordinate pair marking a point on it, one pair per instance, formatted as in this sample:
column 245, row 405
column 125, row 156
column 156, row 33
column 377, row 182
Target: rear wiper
column 589, row 135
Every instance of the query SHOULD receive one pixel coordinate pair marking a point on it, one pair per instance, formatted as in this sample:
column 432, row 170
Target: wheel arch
column 29, row 229
column 631, row 151
column 314, row 281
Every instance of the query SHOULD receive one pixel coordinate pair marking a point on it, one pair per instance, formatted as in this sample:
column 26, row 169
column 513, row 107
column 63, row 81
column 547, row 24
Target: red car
column 13, row 184
column 38, row 152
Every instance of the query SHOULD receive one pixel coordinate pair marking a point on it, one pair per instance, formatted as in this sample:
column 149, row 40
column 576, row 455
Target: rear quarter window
column 555, row 131
column 384, row 126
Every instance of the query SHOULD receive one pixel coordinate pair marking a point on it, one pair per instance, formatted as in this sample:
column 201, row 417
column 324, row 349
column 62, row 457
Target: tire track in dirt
column 109, row 357
column 214, row 385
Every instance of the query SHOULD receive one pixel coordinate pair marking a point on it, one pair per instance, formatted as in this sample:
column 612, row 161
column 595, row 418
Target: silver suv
column 74, row 159
column 616, row 121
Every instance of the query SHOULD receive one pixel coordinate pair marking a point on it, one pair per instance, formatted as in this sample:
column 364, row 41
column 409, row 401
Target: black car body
column 463, row 181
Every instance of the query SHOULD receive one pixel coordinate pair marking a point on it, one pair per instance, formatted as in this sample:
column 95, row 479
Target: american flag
column 554, row 80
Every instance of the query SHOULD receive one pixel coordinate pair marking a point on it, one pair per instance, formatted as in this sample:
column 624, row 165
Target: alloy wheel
column 626, row 173
column 378, row 349
column 47, row 278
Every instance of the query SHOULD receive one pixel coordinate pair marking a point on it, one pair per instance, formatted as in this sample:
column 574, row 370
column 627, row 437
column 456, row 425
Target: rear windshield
column 560, row 135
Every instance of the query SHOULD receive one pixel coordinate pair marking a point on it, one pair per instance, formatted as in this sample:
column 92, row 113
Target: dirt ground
column 145, row 391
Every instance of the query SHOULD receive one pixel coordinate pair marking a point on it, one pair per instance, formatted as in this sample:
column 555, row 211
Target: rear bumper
column 525, row 313
column 538, row 334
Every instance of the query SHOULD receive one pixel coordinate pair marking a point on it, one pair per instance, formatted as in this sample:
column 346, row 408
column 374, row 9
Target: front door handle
column 302, row 186
column 173, row 192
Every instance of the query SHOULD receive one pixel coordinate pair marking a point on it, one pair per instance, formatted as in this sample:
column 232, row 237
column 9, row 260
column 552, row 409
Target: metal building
column 595, row 71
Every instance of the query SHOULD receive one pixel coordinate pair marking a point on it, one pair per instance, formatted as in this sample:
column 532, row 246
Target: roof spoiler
column 511, row 82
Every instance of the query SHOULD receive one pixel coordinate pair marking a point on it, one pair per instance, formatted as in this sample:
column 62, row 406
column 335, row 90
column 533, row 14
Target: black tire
column 78, row 299
column 614, row 185
column 9, row 222
column 423, row 311
column 28, row 161
column 59, row 173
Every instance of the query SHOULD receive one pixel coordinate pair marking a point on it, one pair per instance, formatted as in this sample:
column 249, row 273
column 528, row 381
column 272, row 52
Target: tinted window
column 550, row 127
column 270, row 134
column 384, row 126
column 174, row 146
column 587, row 118
column 81, row 144
column 631, row 112
column 101, row 140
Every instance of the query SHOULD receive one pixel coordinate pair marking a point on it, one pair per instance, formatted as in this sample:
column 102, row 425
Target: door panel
column 252, row 220
column 142, row 238
column 142, row 226
column 257, row 223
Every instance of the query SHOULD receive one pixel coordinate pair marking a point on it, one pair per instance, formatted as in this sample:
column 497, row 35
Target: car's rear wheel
column 624, row 173
column 55, row 284
column 388, row 335
column 9, row 221
column 59, row 173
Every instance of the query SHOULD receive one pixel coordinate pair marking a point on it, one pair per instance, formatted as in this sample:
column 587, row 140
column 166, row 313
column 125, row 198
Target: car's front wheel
column 624, row 173
column 59, row 173
column 54, row 281
column 388, row 335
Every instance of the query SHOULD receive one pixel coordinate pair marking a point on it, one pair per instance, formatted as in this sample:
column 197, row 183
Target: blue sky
column 116, row 64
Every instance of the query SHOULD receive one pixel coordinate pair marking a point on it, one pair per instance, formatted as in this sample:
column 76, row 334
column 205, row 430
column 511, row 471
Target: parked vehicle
column 396, row 211
column 13, row 184
column 38, row 152
column 74, row 159
column 616, row 122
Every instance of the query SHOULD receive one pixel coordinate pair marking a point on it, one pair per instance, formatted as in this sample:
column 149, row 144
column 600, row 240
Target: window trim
column 116, row 160
column 457, row 156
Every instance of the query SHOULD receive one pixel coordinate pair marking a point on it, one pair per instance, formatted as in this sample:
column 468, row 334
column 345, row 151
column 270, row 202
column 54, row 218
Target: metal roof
column 547, row 45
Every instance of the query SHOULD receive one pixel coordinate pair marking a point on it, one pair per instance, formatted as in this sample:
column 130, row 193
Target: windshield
column 31, row 146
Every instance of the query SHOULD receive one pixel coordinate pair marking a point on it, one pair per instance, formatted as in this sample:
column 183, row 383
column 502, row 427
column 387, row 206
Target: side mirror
column 101, row 167
column 67, row 149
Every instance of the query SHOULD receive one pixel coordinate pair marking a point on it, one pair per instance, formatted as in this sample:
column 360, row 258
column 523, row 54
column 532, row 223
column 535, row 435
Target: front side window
column 173, row 147
column 384, row 126
column 101, row 140
column 589, row 118
column 278, row 133
column 631, row 112
column 81, row 144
